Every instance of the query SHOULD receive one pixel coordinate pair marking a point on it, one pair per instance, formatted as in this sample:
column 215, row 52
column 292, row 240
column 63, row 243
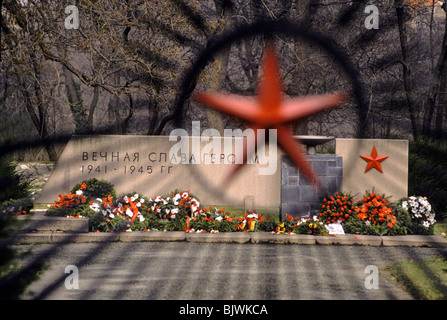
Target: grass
column 423, row 279
column 14, row 277
column 441, row 227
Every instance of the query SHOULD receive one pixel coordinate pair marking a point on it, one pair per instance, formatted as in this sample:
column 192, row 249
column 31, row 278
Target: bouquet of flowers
column 212, row 220
column 420, row 211
column 71, row 200
column 248, row 221
column 336, row 208
column 177, row 204
column 374, row 215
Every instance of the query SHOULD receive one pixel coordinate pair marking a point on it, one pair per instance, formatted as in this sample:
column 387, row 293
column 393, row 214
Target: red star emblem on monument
column 271, row 110
column 374, row 160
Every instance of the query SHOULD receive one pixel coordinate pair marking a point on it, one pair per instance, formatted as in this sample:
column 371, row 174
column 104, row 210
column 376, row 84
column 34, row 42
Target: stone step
column 38, row 212
column 38, row 222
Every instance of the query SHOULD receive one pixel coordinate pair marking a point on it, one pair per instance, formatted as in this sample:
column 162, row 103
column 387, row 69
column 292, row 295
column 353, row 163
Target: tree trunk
column 92, row 108
column 215, row 118
column 438, row 85
column 441, row 107
column 301, row 14
column 406, row 68
column 39, row 122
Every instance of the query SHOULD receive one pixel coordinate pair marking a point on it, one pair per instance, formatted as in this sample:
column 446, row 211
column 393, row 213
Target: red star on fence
column 269, row 110
column 374, row 160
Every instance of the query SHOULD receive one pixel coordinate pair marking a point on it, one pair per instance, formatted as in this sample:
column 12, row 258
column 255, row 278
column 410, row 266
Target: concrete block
column 320, row 167
column 142, row 236
column 85, row 237
column 268, row 237
column 308, row 194
column 289, row 194
column 32, row 238
column 293, row 181
column 415, row 241
column 38, row 211
column 393, row 182
column 53, row 224
column 335, row 171
column 303, row 180
column 349, row 239
column 295, row 209
column 331, row 163
column 226, row 237
column 153, row 173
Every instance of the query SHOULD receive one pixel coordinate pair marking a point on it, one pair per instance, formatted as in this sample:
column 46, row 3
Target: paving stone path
column 196, row 271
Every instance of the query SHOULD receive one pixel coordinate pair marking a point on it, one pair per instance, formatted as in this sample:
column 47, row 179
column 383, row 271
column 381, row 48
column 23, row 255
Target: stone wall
column 143, row 164
column 298, row 197
column 36, row 173
column 392, row 181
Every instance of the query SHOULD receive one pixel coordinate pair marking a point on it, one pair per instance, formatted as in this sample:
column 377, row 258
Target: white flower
column 138, row 204
column 126, row 200
column 174, row 210
column 426, row 224
column 136, row 195
column 132, row 199
column 167, row 211
column 141, row 218
column 129, row 213
column 142, row 200
column 157, row 199
column 111, row 216
column 219, row 218
column 405, row 205
column 194, row 207
column 79, row 192
column 95, row 207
